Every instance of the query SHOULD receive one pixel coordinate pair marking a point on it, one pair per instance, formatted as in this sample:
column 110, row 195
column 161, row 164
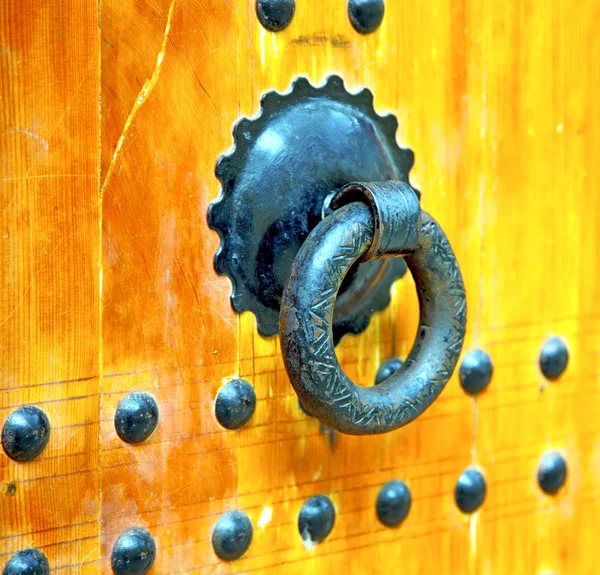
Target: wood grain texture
column 498, row 101
column 50, row 283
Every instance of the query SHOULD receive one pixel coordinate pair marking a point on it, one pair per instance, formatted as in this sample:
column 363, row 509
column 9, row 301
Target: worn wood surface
column 111, row 121
column 49, row 276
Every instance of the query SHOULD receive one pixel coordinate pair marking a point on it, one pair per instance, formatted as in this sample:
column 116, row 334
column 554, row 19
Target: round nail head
column 235, row 404
column 316, row 519
column 366, row 15
column 475, row 371
column 393, row 503
column 136, row 417
column 232, row 535
column 27, row 562
column 554, row 358
column 25, row 433
column 387, row 369
column 133, row 553
column 552, row 472
column 275, row 15
column 470, row 490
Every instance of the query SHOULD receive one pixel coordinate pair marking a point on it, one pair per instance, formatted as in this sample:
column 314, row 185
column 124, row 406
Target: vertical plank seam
column 100, row 289
column 475, row 533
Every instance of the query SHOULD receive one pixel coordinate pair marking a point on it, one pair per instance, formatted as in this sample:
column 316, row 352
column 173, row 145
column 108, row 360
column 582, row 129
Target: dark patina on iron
column 393, row 503
column 303, row 145
column 366, row 15
column 475, row 371
column 136, row 417
column 470, row 490
column 392, row 225
column 232, row 535
column 316, row 519
column 235, row 404
column 26, row 433
column 275, row 15
column 554, row 358
column 27, row 562
column 133, row 553
column 552, row 472
column 387, row 369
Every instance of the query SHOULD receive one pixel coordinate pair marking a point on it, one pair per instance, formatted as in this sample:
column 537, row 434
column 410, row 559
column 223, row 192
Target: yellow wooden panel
column 108, row 283
column 49, row 279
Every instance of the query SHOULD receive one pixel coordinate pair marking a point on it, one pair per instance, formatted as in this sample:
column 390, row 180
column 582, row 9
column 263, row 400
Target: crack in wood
column 141, row 98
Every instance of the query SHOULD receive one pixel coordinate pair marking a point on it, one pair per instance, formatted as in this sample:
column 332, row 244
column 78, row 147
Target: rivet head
column 554, row 358
column 136, row 417
column 134, row 552
column 316, row 519
column 25, row 433
column 235, row 404
column 275, row 15
column 387, row 369
column 475, row 371
column 470, row 490
column 393, row 503
column 232, row 535
column 27, row 562
column 365, row 15
column 552, row 472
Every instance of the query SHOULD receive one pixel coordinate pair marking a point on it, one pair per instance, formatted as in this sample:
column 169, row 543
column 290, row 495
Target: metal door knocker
column 388, row 223
column 311, row 254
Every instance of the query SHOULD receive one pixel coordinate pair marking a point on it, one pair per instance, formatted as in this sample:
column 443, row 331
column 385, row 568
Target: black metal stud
column 27, row 562
column 134, row 552
column 235, row 404
column 470, row 490
column 393, row 503
column 475, row 371
column 136, row 417
column 275, row 15
column 316, row 519
column 25, row 433
column 232, row 535
column 387, row 369
column 554, row 358
column 552, row 472
column 366, row 15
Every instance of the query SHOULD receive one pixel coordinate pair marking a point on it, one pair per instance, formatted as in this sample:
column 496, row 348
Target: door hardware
column 388, row 222
column 134, row 552
column 26, row 433
column 552, row 472
column 282, row 178
column 303, row 145
column 232, row 535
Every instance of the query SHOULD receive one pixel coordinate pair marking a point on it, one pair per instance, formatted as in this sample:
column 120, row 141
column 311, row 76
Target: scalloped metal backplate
column 302, row 146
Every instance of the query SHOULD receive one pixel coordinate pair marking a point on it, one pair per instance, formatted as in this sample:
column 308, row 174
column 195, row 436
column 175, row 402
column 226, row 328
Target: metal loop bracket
column 386, row 226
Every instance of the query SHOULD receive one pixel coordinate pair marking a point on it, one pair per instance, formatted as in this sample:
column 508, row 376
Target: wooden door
column 113, row 116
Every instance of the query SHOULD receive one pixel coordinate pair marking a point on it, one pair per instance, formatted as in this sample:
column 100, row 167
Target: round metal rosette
column 301, row 148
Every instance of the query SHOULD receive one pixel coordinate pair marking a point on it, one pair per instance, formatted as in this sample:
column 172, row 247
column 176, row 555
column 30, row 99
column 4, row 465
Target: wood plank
column 50, row 284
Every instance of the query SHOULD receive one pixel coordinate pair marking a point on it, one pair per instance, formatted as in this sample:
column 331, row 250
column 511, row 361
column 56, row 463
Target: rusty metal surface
column 304, row 145
column 307, row 310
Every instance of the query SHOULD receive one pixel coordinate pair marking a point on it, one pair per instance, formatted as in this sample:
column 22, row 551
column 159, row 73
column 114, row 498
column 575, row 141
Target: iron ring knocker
column 372, row 220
